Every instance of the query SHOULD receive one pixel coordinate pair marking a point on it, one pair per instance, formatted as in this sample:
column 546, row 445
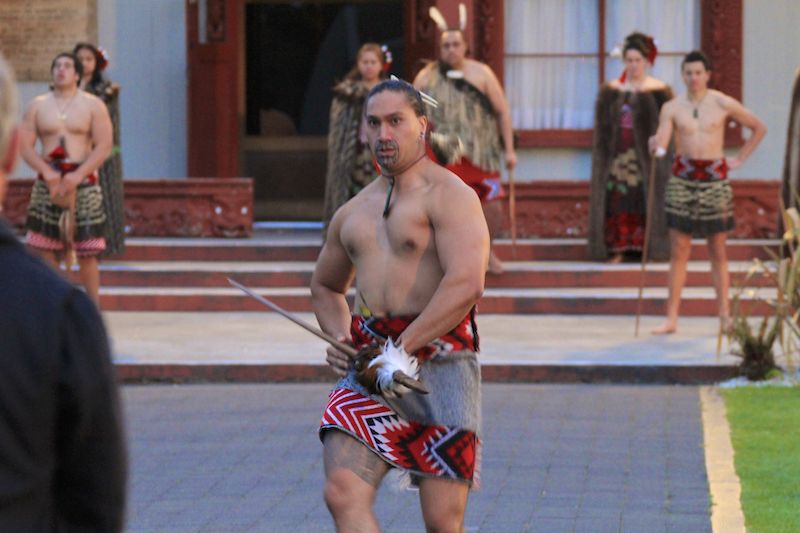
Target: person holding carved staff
column 699, row 200
column 626, row 116
column 66, row 208
column 473, row 108
column 418, row 244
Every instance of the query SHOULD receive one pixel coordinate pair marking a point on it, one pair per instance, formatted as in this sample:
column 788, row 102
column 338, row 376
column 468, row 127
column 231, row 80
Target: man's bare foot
column 495, row 266
column 667, row 327
column 726, row 325
column 615, row 259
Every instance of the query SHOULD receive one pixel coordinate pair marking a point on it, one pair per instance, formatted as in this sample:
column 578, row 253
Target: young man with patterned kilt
column 699, row 201
column 418, row 243
column 66, row 208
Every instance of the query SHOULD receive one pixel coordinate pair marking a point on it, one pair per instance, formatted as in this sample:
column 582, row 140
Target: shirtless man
column 459, row 84
column 699, row 201
column 76, row 135
column 418, row 243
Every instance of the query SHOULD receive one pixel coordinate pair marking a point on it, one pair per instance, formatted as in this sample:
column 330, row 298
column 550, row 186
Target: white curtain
column 675, row 25
column 547, row 92
column 551, row 92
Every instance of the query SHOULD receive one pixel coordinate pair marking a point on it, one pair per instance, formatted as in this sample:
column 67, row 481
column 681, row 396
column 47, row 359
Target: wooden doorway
column 294, row 53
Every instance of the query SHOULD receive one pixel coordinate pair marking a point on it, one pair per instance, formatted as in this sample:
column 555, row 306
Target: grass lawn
column 765, row 430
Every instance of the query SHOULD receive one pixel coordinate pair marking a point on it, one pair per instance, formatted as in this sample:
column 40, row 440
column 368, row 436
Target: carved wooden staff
column 660, row 152
column 512, row 212
column 398, row 376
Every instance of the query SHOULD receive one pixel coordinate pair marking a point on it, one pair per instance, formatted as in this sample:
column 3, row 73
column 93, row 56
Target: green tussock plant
column 758, row 358
column 783, row 275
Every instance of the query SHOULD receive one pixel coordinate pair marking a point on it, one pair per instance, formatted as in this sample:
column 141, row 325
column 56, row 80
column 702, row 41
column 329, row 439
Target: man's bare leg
column 681, row 250
column 443, row 505
column 352, row 476
column 90, row 277
column 720, row 275
column 493, row 211
column 51, row 258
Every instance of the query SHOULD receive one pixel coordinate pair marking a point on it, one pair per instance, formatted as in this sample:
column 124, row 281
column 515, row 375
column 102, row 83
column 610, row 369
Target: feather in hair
column 437, row 17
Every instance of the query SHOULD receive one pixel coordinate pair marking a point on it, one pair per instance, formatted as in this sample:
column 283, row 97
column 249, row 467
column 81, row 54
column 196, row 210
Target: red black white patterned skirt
column 434, row 435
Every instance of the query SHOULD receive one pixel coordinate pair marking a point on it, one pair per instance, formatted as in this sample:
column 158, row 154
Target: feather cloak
column 791, row 163
column 347, row 110
column 645, row 107
column 465, row 112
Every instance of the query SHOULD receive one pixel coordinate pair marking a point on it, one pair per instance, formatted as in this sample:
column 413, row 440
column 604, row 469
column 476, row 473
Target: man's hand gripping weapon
column 386, row 369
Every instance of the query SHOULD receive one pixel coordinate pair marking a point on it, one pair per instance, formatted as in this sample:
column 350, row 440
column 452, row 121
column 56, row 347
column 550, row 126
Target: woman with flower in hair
column 626, row 115
column 350, row 163
column 94, row 61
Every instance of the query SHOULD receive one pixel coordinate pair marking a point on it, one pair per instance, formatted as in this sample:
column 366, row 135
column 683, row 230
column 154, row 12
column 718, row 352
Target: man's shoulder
column 478, row 67
column 39, row 100
column 673, row 103
column 445, row 184
column 90, row 99
column 423, row 76
column 722, row 99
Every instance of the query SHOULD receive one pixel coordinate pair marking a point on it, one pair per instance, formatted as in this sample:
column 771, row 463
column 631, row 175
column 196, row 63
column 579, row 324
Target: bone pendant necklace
column 696, row 105
column 62, row 112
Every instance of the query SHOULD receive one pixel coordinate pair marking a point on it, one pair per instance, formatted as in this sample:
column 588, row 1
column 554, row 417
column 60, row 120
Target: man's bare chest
column 400, row 235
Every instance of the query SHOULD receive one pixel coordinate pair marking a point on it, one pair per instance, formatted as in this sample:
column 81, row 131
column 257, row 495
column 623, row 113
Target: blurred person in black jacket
column 63, row 462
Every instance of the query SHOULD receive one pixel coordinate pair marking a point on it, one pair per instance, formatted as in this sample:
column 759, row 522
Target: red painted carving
column 424, row 27
column 721, row 24
column 555, row 209
column 215, row 21
column 216, row 207
column 488, row 28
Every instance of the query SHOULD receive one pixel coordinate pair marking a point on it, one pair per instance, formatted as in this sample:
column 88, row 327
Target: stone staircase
column 543, row 276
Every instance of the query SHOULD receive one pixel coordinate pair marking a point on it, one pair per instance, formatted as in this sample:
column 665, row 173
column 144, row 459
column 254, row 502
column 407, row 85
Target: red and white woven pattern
column 437, row 451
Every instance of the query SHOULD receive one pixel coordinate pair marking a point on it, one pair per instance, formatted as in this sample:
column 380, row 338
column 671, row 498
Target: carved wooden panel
column 721, row 23
column 554, row 209
column 215, row 21
column 221, row 207
column 488, row 28
column 420, row 36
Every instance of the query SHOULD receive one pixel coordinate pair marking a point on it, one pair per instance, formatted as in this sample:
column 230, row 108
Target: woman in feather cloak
column 350, row 163
column 626, row 115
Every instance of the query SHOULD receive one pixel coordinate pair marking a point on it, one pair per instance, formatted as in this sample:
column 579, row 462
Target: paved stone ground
column 557, row 458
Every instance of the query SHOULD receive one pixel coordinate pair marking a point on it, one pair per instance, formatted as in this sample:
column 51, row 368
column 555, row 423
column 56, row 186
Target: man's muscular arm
column 664, row 132
column 746, row 118
column 28, row 135
column 332, row 277
column 462, row 245
column 496, row 95
column 102, row 138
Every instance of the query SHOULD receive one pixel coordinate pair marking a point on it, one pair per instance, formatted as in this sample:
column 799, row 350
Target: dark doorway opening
column 295, row 53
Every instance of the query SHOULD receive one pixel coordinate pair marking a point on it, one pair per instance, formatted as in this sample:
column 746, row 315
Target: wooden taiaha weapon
column 398, row 376
column 660, row 152
column 512, row 212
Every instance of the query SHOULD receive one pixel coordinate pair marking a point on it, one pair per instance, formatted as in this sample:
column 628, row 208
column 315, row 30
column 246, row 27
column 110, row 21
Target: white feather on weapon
column 358, row 356
column 394, row 359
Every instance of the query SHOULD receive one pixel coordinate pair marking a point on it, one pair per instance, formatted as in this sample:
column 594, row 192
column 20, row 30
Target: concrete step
column 518, row 274
column 697, row 301
column 294, row 247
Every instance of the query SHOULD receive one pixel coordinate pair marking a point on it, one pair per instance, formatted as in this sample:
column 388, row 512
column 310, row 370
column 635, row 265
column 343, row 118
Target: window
column 556, row 55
